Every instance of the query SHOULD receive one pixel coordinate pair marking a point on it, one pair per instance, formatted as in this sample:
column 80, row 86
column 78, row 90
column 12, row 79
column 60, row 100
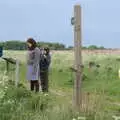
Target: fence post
column 7, row 66
column 17, row 73
column 78, row 56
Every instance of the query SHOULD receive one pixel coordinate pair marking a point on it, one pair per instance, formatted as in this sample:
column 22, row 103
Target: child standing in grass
column 33, row 59
column 45, row 61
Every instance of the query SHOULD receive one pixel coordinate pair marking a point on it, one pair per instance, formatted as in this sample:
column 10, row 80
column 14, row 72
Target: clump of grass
column 117, row 59
column 91, row 64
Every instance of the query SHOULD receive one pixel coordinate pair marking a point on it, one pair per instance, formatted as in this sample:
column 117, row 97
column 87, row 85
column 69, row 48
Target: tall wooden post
column 78, row 56
column 17, row 73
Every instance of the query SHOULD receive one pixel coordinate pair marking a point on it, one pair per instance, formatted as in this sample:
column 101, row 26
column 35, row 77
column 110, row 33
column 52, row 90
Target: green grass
column 102, row 84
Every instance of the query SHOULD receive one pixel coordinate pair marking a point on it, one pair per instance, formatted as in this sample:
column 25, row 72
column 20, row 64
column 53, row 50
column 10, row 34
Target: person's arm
column 30, row 56
column 36, row 60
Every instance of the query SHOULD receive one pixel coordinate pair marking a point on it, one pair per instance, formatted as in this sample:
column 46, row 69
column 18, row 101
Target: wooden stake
column 17, row 73
column 78, row 56
column 7, row 66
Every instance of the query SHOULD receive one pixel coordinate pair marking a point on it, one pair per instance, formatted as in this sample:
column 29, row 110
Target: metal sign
column 72, row 20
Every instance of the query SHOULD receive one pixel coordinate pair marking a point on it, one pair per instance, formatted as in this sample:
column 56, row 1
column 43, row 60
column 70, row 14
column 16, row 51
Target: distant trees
column 52, row 46
column 69, row 48
column 13, row 45
column 20, row 45
column 92, row 47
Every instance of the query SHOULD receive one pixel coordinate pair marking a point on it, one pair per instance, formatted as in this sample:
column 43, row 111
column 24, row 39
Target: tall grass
column 100, row 86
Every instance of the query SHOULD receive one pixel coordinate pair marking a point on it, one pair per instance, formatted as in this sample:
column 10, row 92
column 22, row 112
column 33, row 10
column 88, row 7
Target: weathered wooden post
column 16, row 63
column 7, row 66
column 12, row 61
column 17, row 73
column 76, row 21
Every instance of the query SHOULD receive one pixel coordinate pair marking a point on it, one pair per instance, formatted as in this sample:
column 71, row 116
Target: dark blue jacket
column 45, row 61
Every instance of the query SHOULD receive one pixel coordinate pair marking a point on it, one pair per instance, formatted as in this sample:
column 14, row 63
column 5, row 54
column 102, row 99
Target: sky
column 50, row 21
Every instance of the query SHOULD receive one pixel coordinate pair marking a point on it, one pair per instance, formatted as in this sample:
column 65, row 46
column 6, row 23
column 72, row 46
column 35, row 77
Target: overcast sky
column 49, row 20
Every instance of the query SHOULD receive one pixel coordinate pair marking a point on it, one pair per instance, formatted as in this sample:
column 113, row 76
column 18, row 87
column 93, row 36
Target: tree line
column 90, row 47
column 20, row 45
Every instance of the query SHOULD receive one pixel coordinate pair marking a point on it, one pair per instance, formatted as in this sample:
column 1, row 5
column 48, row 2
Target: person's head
column 46, row 50
column 31, row 43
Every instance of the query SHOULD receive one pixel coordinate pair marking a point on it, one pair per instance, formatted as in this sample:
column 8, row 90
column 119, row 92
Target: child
column 44, row 69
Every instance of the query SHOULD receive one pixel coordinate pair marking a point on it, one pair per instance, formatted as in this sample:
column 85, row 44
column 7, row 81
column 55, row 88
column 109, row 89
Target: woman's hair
column 33, row 42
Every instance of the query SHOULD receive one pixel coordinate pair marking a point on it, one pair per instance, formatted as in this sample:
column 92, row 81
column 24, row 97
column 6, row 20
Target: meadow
column 100, row 88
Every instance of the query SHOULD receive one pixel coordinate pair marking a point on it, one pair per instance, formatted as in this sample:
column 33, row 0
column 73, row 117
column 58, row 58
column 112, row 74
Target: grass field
column 100, row 89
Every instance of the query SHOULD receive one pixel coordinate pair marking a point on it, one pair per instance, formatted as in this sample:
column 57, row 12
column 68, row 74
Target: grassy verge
column 100, row 86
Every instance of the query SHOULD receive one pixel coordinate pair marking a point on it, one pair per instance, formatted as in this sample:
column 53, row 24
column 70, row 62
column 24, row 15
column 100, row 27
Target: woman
column 33, row 59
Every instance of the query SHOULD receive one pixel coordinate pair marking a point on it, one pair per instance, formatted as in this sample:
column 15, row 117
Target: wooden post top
column 10, row 60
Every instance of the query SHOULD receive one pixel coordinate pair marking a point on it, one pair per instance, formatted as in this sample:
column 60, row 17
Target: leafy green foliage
column 20, row 45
